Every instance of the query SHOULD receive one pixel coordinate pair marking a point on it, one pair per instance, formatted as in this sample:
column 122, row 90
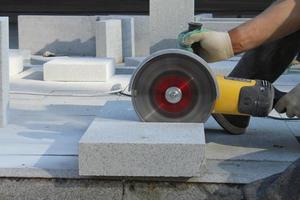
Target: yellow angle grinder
column 178, row 86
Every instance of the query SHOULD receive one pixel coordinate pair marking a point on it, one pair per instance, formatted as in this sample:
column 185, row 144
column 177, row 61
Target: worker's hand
column 290, row 103
column 215, row 46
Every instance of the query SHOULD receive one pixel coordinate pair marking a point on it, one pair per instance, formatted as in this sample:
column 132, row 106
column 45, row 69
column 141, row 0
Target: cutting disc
column 173, row 86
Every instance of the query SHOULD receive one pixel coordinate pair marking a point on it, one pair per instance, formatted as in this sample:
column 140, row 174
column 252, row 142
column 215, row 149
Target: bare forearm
column 279, row 20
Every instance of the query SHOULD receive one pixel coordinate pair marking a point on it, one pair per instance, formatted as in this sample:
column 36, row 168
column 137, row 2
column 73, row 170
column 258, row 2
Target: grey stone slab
column 265, row 140
column 109, row 39
column 142, row 35
column 168, row 18
column 291, row 79
column 4, row 70
column 63, row 35
column 128, row 33
column 295, row 127
column 239, row 171
column 133, row 61
column 60, row 189
column 138, row 149
column 180, row 191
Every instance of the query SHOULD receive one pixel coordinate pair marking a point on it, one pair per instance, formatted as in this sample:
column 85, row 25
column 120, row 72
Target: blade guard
column 199, row 65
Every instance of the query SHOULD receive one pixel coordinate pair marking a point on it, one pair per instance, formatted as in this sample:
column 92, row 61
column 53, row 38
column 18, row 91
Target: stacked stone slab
column 63, row 35
column 138, row 149
column 4, row 70
column 142, row 35
column 128, row 33
column 167, row 19
column 109, row 39
column 220, row 24
column 75, row 35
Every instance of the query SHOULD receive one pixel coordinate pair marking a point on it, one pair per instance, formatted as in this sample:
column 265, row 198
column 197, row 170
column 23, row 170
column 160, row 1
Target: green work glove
column 290, row 103
column 215, row 46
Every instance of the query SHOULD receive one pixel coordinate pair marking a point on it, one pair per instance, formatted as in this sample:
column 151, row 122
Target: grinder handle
column 194, row 26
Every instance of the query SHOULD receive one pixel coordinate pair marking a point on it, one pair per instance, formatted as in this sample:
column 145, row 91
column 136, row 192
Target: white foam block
column 137, row 149
column 79, row 69
column 16, row 63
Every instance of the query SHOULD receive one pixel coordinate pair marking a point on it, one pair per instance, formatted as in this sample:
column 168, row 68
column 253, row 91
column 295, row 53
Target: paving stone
column 138, row 149
column 109, row 39
column 4, row 70
column 16, row 63
column 168, row 18
column 62, row 35
column 79, row 69
column 128, row 33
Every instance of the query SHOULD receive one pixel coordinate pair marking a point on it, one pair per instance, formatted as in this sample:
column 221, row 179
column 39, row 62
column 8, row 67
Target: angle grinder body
column 178, row 86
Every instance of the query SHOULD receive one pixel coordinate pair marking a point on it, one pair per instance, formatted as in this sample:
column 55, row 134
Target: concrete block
column 133, row 61
column 138, row 149
column 109, row 39
column 142, row 35
column 79, row 69
column 16, row 63
column 4, row 70
column 128, row 33
column 168, row 18
column 63, row 35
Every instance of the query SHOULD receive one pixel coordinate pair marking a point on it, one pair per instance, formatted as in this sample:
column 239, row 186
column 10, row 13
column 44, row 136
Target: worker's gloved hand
column 215, row 46
column 290, row 103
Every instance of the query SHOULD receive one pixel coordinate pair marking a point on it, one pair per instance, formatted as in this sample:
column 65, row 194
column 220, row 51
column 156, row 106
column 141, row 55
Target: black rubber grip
column 257, row 100
column 196, row 46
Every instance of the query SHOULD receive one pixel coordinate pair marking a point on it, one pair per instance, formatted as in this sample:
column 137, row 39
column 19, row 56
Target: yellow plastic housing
column 229, row 94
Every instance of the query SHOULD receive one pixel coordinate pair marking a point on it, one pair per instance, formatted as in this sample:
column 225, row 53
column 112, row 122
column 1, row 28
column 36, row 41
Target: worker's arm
column 279, row 20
